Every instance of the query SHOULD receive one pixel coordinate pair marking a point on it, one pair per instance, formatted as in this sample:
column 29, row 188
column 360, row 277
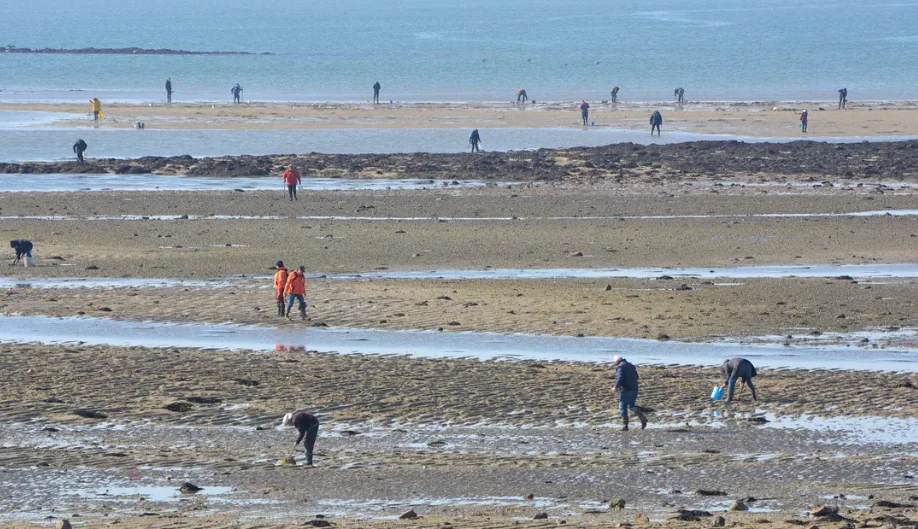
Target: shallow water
column 97, row 331
column 149, row 182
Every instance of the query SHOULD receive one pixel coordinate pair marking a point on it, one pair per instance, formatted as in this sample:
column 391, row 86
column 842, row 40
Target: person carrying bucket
column 626, row 383
column 738, row 368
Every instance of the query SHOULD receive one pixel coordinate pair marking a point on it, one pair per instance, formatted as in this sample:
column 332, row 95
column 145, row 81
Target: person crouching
column 308, row 426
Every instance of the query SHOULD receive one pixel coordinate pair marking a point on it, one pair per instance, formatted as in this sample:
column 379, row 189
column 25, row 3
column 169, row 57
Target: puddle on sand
column 150, row 182
column 493, row 346
column 390, row 509
column 112, row 282
column 147, row 493
column 738, row 272
column 854, row 430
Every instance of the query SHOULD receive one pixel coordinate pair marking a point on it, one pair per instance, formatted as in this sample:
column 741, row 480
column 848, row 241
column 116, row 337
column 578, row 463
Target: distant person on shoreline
column 96, row 108
column 236, row 90
column 376, row 88
column 679, row 94
column 292, row 178
column 585, row 112
column 474, row 140
column 521, row 96
column 79, row 148
column 296, row 291
column 738, row 368
column 803, row 118
column 626, row 383
column 656, row 122
column 843, row 99
column 280, row 283
column 168, row 90
column 614, row 94
column 308, row 426
column 23, row 249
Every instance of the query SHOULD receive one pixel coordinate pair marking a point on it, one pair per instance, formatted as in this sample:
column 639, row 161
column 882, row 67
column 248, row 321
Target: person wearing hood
column 280, row 283
column 308, row 426
column 474, row 140
column 738, row 368
column 585, row 112
column 23, row 249
column 656, row 122
column 626, row 383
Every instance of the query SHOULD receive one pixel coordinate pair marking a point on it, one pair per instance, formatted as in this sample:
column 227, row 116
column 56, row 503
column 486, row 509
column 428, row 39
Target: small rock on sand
column 318, row 523
column 540, row 516
column 737, row 505
column 410, row 515
column 706, row 492
column 63, row 524
column 617, row 504
column 824, row 510
column 287, row 461
column 189, row 488
column 529, row 496
column 179, row 407
column 641, row 518
column 719, row 521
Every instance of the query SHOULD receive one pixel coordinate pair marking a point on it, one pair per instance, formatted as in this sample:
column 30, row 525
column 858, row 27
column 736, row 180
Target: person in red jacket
column 292, row 179
column 280, row 283
column 296, row 291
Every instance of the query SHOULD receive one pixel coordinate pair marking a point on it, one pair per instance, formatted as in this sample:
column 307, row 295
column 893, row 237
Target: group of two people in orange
column 291, row 180
column 293, row 286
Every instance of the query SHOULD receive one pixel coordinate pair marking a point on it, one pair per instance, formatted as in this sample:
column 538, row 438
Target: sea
column 468, row 50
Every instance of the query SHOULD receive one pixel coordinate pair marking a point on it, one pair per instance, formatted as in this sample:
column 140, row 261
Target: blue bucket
column 717, row 393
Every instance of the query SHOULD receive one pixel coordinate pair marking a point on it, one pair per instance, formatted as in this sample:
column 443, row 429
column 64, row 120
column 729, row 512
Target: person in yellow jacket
column 96, row 108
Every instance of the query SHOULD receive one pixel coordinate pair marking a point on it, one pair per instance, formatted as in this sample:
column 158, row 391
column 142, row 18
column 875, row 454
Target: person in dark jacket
column 584, row 112
column 521, row 96
column 804, row 117
column 236, row 90
column 738, row 368
column 474, row 140
column 79, row 148
column 656, row 122
column 843, row 99
column 626, row 383
column 169, row 90
column 679, row 94
column 376, row 88
column 308, row 426
column 23, row 249
column 614, row 94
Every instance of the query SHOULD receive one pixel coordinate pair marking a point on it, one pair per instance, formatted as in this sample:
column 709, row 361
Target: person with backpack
column 626, row 383
column 280, row 283
column 738, row 368
column 585, row 112
column 79, row 148
column 236, row 90
column 308, row 426
column 292, row 179
column 474, row 140
column 376, row 88
column 656, row 122
column 296, row 291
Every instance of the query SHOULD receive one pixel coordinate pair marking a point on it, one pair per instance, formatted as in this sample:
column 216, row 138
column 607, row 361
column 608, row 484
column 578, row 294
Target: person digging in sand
column 738, row 368
column 308, row 426
column 626, row 383
column 23, row 249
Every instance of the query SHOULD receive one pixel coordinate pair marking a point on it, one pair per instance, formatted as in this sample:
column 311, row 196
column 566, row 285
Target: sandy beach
column 754, row 119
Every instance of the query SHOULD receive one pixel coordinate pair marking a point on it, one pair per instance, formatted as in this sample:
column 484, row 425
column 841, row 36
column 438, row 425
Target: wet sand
column 756, row 119
column 458, row 440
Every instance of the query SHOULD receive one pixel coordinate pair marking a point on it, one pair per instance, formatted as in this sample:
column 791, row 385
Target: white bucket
column 28, row 262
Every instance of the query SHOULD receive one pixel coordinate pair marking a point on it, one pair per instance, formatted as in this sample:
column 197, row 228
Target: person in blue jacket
column 474, row 140
column 626, row 383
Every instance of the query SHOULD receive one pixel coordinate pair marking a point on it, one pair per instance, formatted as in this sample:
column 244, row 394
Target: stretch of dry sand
column 761, row 119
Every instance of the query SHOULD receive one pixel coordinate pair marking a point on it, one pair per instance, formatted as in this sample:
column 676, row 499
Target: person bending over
column 308, row 426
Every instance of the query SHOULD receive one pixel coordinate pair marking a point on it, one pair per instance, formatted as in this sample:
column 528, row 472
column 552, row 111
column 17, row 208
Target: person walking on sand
column 679, row 95
column 280, row 283
column 585, row 112
column 376, row 88
column 521, row 96
column 168, row 90
column 296, row 291
column 96, row 108
column 614, row 94
column 23, row 249
column 803, row 118
column 656, row 122
column 738, row 368
column 236, row 90
column 843, row 99
column 292, row 179
column 308, row 426
column 474, row 140
column 79, row 148
column 626, row 383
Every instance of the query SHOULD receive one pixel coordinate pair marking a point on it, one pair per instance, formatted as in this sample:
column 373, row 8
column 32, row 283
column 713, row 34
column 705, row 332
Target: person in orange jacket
column 280, row 283
column 296, row 290
column 292, row 179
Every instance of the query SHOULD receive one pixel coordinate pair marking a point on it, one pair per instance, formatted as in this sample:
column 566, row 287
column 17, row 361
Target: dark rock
column 410, row 515
column 179, row 407
column 892, row 505
column 719, row 521
column 706, row 492
column 204, row 400
column 617, row 504
column 540, row 516
column 664, row 278
column 687, row 515
column 92, row 267
column 318, row 523
column 246, row 382
column 90, row 414
column 189, row 488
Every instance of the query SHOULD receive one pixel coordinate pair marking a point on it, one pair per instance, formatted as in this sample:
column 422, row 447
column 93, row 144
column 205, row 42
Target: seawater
column 473, row 50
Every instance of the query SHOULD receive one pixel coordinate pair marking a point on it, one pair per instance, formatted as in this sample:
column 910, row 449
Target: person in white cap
column 308, row 426
column 626, row 383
